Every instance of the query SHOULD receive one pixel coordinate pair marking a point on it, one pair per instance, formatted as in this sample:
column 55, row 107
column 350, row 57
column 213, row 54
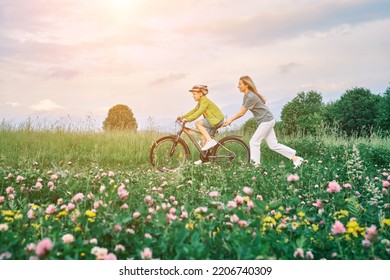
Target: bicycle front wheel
column 230, row 150
column 167, row 155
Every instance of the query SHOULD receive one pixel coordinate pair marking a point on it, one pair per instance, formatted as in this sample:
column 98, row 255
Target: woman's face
column 242, row 87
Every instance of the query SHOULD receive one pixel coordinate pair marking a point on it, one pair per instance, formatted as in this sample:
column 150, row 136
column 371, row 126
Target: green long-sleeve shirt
column 208, row 109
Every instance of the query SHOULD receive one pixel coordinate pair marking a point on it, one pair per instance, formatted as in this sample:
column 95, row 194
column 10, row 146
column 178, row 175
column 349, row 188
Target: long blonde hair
column 251, row 85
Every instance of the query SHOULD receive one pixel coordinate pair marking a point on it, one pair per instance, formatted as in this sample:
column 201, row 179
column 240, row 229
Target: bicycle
column 171, row 152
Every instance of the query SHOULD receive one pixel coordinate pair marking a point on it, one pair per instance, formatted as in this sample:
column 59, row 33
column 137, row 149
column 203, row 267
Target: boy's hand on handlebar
column 181, row 119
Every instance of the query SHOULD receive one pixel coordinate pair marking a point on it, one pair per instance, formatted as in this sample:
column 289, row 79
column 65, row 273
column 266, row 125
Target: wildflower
column 122, row 193
column 242, row 224
column 3, row 227
column 184, row 215
column 119, row 247
column 124, row 206
column 100, row 253
column 385, row 184
column 19, row 179
column 30, row 247
column 292, row 178
column 111, row 174
column 353, row 227
column 333, row 187
column 386, row 222
column 259, row 197
column 136, row 215
column 68, row 238
column 148, row 235
column 366, row 243
column 93, row 241
column 234, row 218
column 146, row 254
column 213, row 194
column 31, row 214
column 371, row 233
column 2, row 198
column 117, row 228
column 5, row 255
column 338, row 228
column 51, row 209
column 70, row 206
column 309, row 255
column 44, row 247
column 90, row 214
column 347, row 186
column 232, row 204
column 78, row 197
column 318, row 203
column 299, row 253
column 247, row 191
column 149, row 200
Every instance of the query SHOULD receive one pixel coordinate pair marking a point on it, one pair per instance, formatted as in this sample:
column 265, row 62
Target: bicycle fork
column 172, row 150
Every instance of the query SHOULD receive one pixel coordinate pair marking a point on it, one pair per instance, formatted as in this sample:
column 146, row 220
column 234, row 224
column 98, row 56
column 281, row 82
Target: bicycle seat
column 214, row 129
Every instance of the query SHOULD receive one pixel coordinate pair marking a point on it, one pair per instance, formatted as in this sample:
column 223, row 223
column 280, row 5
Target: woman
column 255, row 102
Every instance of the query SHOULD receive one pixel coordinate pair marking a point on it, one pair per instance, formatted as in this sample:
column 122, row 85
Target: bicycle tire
column 231, row 150
column 159, row 153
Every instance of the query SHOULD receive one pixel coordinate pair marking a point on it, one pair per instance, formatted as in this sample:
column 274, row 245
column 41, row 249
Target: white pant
column 266, row 132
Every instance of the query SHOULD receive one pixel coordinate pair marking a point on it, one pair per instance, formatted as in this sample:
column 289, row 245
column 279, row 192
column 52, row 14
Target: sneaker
column 298, row 162
column 209, row 145
column 198, row 162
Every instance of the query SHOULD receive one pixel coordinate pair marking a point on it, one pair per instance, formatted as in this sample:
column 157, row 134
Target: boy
column 213, row 116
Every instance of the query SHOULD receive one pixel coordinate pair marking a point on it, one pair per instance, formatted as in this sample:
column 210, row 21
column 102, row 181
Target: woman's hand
column 228, row 122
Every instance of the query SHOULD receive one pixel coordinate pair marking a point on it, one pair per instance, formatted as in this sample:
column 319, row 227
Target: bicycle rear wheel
column 167, row 155
column 230, row 150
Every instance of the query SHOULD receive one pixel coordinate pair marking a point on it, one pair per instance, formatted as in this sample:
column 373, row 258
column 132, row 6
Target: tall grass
column 124, row 150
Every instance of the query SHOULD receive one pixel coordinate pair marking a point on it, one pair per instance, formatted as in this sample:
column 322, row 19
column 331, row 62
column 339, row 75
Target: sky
column 68, row 62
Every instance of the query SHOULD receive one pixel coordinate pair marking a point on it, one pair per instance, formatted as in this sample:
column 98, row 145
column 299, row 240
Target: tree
column 356, row 111
column 120, row 117
column 383, row 120
column 303, row 114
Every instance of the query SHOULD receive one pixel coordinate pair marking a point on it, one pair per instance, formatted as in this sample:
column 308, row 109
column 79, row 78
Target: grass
column 100, row 189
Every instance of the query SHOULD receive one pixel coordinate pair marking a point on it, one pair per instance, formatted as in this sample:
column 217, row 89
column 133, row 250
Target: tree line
column 357, row 112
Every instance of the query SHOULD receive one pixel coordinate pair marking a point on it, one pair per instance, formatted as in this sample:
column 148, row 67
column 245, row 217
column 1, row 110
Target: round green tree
column 120, row 117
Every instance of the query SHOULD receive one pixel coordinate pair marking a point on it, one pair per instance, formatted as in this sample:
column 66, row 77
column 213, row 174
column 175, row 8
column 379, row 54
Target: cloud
column 287, row 68
column 12, row 104
column 46, row 105
column 171, row 78
column 61, row 73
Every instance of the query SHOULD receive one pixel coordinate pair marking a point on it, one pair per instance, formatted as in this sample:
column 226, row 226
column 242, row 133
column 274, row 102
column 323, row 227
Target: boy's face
column 197, row 95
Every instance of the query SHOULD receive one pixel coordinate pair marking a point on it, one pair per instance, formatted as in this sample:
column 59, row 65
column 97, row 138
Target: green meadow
column 92, row 195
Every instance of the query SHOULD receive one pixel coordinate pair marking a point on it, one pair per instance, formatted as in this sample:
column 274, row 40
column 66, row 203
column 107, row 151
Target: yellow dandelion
column 7, row 213
column 386, row 222
column 9, row 219
column 301, row 214
column 35, row 207
column 78, row 228
column 36, row 226
column 190, row 225
column 315, row 227
column 61, row 214
column 90, row 214
column 18, row 216
column 278, row 216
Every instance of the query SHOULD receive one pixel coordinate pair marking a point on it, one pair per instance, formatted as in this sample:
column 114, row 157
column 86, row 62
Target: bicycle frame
column 189, row 132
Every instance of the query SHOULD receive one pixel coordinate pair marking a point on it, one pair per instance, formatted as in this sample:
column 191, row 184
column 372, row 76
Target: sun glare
column 121, row 4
